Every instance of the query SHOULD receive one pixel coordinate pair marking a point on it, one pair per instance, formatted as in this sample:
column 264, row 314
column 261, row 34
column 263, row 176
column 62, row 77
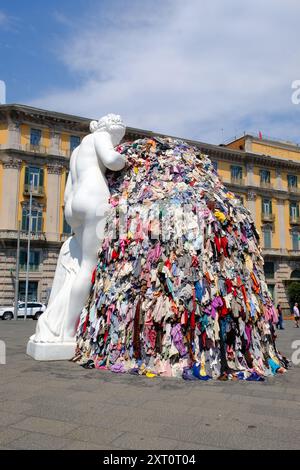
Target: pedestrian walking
column 296, row 315
column 280, row 318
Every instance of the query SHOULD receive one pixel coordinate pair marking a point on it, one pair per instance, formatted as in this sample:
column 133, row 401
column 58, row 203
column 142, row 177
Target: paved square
column 59, row 405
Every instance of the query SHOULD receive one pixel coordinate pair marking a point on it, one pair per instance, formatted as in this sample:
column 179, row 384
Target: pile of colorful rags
column 179, row 288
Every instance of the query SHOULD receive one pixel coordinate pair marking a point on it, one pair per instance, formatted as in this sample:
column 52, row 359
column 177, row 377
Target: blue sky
column 203, row 69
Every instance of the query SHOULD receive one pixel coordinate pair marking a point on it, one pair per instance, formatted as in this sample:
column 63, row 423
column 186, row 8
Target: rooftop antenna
column 2, row 92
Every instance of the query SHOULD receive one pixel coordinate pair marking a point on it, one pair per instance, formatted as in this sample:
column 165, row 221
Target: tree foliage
column 294, row 293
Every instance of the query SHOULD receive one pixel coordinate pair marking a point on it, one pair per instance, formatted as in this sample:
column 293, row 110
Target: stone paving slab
column 59, row 405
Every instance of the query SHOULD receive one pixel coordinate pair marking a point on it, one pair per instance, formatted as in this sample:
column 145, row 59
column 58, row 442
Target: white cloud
column 3, row 18
column 8, row 22
column 186, row 68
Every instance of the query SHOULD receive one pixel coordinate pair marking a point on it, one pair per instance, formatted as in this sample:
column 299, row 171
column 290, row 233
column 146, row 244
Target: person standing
column 280, row 318
column 296, row 315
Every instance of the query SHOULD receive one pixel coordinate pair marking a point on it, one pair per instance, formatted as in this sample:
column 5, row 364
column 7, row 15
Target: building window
column 271, row 289
column 35, row 136
column 267, row 231
column 292, row 181
column 36, row 219
column 295, row 240
column 236, row 172
column 74, row 142
column 265, row 176
column 269, row 269
column 295, row 274
column 267, row 206
column 34, row 260
column 35, row 176
column 32, row 291
column 294, row 210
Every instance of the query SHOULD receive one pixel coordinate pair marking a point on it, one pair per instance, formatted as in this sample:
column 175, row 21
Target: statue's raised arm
column 108, row 132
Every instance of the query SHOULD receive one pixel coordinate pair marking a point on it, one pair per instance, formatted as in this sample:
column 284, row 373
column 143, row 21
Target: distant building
column 36, row 145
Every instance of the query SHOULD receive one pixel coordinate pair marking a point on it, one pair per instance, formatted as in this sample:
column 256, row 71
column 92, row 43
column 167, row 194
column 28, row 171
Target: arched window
column 295, row 274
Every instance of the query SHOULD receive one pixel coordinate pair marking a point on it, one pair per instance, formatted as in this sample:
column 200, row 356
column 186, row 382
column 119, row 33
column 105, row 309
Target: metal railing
column 294, row 220
column 36, row 148
column 36, row 190
column 33, row 268
column 237, row 181
column 13, row 234
column 293, row 189
column 266, row 185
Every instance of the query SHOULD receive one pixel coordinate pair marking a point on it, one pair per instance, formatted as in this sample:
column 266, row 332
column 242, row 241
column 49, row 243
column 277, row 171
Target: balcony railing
column 294, row 189
column 36, row 190
column 32, row 268
column 294, row 252
column 266, row 185
column 267, row 217
column 274, row 251
column 36, row 148
column 294, row 220
column 237, row 181
column 13, row 234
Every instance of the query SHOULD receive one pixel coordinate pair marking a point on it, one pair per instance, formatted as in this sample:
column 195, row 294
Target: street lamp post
column 16, row 304
column 28, row 248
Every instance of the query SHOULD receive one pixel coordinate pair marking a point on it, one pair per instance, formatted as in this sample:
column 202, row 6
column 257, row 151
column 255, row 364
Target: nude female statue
column 86, row 201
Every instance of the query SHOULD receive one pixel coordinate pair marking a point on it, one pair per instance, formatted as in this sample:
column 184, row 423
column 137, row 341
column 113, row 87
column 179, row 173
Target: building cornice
column 54, row 169
column 34, row 157
column 12, row 163
column 53, row 119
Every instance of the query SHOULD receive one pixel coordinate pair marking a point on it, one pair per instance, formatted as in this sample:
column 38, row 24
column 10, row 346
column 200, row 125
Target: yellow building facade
column 35, row 145
column 270, row 187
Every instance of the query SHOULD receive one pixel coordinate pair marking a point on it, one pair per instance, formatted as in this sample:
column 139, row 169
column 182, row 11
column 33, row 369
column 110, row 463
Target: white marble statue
column 86, row 201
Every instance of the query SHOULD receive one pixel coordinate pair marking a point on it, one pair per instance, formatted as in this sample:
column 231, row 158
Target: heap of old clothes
column 179, row 289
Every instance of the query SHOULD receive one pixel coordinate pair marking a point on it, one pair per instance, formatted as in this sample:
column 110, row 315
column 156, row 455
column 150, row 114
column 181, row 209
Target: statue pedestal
column 50, row 351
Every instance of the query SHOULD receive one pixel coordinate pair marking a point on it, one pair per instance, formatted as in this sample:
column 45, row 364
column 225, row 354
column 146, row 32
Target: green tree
column 294, row 293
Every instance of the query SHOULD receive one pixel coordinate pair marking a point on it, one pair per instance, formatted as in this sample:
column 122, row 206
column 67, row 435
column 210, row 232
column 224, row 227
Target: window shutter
column 39, row 222
column 271, row 212
column 23, row 257
column 36, row 258
column 27, row 175
column 24, row 219
column 41, row 177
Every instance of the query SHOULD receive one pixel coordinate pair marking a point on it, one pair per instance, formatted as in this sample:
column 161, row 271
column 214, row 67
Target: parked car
column 34, row 310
